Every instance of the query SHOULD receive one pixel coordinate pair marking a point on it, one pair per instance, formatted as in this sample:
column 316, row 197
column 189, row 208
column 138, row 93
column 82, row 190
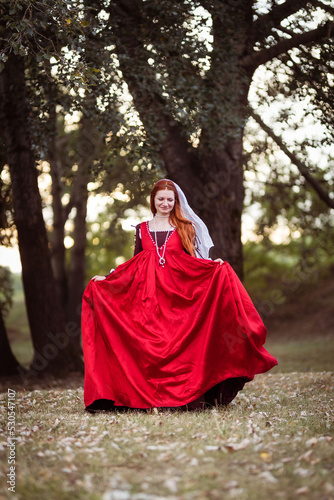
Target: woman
column 170, row 327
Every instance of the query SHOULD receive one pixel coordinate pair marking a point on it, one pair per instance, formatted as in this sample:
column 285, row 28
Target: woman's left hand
column 219, row 260
column 98, row 278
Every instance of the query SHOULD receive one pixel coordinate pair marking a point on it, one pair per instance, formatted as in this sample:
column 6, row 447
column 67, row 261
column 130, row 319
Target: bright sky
column 10, row 257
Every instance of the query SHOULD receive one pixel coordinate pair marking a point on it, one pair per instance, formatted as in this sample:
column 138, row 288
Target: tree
column 294, row 193
column 190, row 91
column 192, row 95
column 42, row 94
column 50, row 335
column 43, row 307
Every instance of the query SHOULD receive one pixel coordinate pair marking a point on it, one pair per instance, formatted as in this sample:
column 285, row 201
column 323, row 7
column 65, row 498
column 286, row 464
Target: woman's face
column 164, row 202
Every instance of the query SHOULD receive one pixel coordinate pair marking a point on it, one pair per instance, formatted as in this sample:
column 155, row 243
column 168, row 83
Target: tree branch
column 139, row 75
column 261, row 57
column 264, row 24
column 307, row 77
column 323, row 195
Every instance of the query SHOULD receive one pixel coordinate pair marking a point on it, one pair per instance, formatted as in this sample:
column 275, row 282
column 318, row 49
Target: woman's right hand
column 98, row 278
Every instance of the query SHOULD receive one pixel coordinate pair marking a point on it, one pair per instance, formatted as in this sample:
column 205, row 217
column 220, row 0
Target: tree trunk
column 49, row 334
column 220, row 200
column 217, row 197
column 77, row 264
column 89, row 145
column 8, row 363
column 58, row 233
column 212, row 174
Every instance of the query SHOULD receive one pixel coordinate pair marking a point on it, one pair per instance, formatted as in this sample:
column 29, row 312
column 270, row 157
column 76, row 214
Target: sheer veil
column 203, row 238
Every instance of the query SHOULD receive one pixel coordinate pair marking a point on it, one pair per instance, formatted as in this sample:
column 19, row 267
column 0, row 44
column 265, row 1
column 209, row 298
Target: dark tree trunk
column 8, row 363
column 49, row 334
column 89, row 145
column 212, row 174
column 77, row 263
column 57, row 236
column 217, row 197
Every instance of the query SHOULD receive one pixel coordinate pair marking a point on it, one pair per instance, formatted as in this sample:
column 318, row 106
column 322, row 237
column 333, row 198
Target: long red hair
column 183, row 226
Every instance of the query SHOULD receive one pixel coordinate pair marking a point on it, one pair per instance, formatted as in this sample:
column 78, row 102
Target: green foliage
column 285, row 267
column 6, row 290
column 308, row 74
column 107, row 246
column 283, row 196
column 188, row 57
column 123, row 189
column 33, row 28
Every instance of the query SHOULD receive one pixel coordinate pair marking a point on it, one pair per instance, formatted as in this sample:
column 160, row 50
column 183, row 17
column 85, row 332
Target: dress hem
column 230, row 386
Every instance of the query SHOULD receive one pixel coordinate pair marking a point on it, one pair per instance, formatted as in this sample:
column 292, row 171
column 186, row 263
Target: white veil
column 203, row 239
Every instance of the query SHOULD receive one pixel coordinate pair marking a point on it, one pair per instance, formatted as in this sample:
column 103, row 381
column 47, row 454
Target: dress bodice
column 171, row 239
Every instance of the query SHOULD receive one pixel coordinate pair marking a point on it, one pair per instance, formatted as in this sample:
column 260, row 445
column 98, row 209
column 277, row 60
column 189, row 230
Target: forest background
column 232, row 100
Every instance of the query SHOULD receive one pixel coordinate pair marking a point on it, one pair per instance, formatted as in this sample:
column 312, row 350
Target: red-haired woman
column 170, row 328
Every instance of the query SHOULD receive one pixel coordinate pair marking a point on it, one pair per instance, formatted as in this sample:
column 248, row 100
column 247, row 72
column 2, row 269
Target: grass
column 17, row 317
column 18, row 330
column 306, row 355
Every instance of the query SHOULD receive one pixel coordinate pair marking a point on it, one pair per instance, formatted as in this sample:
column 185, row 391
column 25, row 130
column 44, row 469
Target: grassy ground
column 274, row 441
column 307, row 355
column 18, row 330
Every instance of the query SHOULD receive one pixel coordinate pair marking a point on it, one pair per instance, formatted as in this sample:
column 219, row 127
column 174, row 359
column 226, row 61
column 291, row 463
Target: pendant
column 162, row 261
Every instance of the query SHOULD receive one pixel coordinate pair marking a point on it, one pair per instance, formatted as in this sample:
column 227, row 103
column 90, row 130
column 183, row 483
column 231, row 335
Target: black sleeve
column 138, row 243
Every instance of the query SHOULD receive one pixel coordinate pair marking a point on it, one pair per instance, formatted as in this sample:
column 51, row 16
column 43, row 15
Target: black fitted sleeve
column 138, row 243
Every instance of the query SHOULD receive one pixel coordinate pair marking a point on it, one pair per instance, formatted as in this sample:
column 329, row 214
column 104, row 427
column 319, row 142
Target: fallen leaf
column 238, row 446
column 194, row 462
column 171, row 484
column 311, row 442
column 303, row 472
column 116, row 495
column 231, row 484
column 268, row 477
column 114, row 445
column 235, row 492
column 306, row 457
column 266, row 457
column 302, row 491
column 329, row 487
column 56, row 422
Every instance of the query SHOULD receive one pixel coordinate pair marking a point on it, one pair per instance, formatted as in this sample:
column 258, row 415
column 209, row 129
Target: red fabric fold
column 158, row 336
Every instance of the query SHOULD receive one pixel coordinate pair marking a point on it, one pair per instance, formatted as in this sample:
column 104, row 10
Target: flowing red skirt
column 169, row 336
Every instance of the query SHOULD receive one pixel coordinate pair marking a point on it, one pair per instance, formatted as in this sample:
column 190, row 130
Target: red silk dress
column 182, row 335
